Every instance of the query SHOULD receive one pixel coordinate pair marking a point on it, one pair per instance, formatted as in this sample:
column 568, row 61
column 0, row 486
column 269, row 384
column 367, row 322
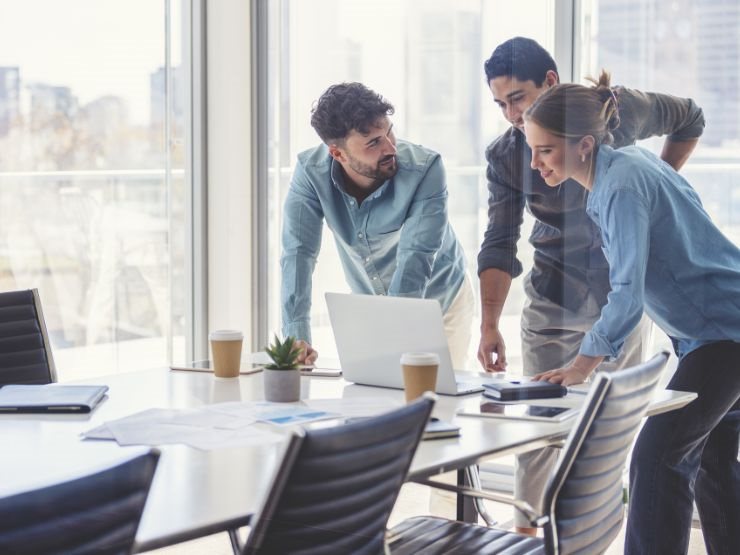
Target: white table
column 196, row 493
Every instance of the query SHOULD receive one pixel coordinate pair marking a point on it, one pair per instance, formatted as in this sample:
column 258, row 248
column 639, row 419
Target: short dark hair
column 521, row 58
column 347, row 106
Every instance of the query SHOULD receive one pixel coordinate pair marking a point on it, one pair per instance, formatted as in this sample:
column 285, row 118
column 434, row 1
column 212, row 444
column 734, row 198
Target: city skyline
column 56, row 48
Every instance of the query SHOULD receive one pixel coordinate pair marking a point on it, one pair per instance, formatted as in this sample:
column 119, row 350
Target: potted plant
column 282, row 378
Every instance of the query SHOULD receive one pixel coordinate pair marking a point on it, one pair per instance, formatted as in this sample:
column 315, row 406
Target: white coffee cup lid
column 226, row 335
column 419, row 359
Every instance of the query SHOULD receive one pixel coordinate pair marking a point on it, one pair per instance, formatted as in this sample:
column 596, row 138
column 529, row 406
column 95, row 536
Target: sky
column 96, row 47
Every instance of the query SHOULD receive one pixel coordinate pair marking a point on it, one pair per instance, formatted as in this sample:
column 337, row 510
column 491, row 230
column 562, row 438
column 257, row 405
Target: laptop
column 371, row 332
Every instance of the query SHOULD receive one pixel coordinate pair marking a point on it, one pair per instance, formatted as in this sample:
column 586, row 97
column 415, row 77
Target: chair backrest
column 25, row 352
column 584, row 499
column 336, row 487
column 95, row 514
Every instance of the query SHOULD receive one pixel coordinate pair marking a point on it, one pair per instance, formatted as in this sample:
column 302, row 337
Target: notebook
column 515, row 390
column 439, row 429
column 372, row 331
column 51, row 398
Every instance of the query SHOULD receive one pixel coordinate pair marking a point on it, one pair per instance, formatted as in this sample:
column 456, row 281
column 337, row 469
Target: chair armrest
column 523, row 506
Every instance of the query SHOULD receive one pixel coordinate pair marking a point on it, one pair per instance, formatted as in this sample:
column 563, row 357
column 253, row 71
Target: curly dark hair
column 347, row 106
column 521, row 58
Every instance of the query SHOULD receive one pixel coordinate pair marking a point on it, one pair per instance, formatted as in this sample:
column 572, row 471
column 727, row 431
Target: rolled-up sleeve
column 301, row 238
column 625, row 224
column 505, row 215
column 655, row 114
column 423, row 232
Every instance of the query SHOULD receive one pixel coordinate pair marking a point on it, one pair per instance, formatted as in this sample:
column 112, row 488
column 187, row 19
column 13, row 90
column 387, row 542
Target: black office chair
column 336, row 486
column 583, row 498
column 25, row 352
column 92, row 515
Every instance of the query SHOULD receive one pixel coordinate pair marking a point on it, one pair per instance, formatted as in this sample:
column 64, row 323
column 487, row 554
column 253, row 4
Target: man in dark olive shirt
column 569, row 281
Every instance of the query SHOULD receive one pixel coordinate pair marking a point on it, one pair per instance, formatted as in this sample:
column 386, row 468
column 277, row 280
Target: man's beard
column 378, row 173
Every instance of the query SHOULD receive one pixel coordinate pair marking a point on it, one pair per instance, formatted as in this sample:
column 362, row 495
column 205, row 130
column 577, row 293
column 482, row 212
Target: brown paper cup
column 419, row 373
column 226, row 348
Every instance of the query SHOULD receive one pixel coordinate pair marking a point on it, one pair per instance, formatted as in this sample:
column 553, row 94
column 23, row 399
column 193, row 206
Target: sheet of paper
column 242, row 437
column 281, row 414
column 200, row 428
column 356, row 406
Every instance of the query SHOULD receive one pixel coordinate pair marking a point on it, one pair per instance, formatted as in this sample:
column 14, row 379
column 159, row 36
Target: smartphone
column 205, row 366
column 324, row 372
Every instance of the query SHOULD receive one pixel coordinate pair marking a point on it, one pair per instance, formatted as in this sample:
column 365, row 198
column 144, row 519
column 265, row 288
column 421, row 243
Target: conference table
column 197, row 493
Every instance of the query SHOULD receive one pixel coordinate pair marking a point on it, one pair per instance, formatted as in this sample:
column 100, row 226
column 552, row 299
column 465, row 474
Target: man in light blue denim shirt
column 385, row 202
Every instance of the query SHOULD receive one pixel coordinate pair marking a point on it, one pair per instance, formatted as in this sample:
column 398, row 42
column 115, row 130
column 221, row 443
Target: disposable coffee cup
column 419, row 373
column 226, row 349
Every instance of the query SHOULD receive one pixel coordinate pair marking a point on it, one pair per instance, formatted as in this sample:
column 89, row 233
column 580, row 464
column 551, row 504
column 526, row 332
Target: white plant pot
column 282, row 386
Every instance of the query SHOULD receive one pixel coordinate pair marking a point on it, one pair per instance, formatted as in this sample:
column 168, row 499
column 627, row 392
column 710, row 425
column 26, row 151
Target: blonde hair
column 574, row 111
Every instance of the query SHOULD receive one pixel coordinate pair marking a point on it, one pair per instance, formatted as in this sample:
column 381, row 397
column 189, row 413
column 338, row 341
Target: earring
column 583, row 157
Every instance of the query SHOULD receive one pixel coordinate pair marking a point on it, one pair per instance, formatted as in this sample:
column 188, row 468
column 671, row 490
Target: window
column 427, row 58
column 690, row 49
column 92, row 180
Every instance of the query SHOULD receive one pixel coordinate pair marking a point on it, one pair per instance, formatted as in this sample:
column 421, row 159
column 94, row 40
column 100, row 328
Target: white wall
column 229, row 166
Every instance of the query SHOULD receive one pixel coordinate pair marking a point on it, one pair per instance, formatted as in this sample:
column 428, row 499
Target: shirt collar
column 603, row 161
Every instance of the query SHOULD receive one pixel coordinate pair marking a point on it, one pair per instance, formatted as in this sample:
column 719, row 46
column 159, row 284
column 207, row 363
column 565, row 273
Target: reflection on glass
column 690, row 49
column 91, row 180
column 426, row 57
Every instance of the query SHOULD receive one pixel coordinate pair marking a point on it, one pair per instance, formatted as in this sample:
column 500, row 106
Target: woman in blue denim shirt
column 666, row 258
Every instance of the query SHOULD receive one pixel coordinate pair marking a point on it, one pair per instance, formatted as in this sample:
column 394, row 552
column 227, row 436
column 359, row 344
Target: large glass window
column 689, row 48
column 92, row 186
column 426, row 57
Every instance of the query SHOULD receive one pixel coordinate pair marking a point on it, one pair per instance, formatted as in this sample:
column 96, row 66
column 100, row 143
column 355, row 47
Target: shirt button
column 367, row 259
column 375, row 277
column 352, row 202
column 360, row 235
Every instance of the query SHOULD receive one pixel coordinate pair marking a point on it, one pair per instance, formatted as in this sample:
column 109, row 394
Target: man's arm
column 676, row 153
column 422, row 234
column 497, row 261
column 301, row 239
column 494, row 288
column 654, row 114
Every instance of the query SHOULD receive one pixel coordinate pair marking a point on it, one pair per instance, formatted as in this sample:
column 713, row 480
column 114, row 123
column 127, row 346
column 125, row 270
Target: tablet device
column 67, row 399
column 206, row 366
column 521, row 411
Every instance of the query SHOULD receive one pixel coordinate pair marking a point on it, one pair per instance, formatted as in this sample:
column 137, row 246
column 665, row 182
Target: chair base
column 430, row 535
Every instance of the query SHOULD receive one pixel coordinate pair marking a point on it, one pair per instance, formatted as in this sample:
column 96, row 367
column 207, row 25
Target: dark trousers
column 690, row 454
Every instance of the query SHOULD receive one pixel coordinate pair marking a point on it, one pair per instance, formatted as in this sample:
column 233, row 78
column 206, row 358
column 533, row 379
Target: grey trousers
column 551, row 338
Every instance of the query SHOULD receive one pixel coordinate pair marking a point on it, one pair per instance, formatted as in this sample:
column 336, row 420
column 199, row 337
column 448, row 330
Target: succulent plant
column 284, row 354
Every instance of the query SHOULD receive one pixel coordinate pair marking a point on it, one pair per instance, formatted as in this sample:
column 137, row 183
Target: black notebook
column 516, row 391
column 439, row 429
column 50, row 398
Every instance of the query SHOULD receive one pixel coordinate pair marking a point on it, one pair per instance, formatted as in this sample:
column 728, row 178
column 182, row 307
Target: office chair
column 336, row 486
column 583, row 498
column 93, row 515
column 25, row 352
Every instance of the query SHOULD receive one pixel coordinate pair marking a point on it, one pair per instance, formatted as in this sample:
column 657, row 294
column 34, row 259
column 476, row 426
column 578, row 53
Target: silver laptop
column 372, row 331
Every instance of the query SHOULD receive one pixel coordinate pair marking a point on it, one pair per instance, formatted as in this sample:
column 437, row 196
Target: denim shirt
column 568, row 262
column 397, row 242
column 664, row 253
